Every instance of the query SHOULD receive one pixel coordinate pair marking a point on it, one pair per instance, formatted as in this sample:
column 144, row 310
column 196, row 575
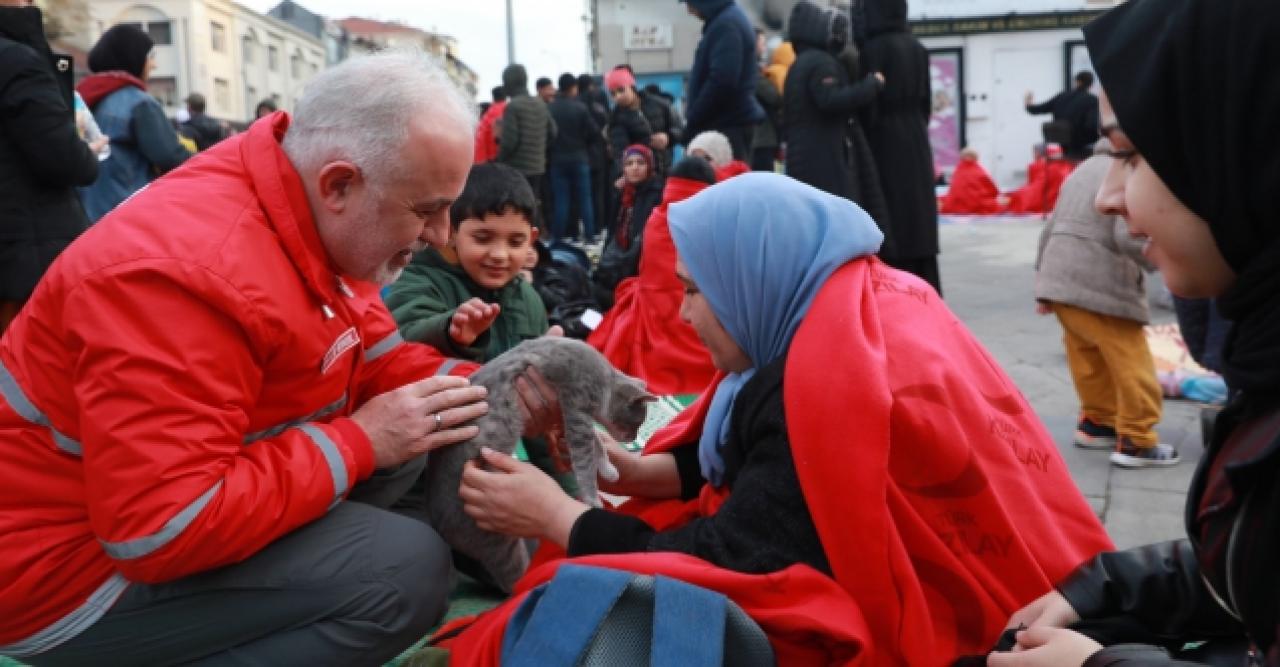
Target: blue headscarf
column 759, row 247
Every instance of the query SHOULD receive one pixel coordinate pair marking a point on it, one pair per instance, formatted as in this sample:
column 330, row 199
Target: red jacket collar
column 95, row 87
column 284, row 199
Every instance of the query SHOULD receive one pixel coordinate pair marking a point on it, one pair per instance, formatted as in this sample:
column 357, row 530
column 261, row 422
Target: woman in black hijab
column 1192, row 107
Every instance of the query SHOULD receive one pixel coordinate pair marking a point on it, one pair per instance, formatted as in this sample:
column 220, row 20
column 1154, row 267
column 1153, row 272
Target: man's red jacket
column 177, row 392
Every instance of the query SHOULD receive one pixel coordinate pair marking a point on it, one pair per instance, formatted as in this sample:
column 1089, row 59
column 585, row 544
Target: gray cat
column 589, row 390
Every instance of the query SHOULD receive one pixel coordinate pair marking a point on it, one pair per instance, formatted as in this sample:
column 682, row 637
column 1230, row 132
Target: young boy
column 468, row 300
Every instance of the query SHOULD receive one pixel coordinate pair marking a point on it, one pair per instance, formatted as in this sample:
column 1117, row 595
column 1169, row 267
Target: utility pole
column 511, row 35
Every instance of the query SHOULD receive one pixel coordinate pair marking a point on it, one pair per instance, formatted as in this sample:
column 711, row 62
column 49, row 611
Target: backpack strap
column 688, row 624
column 556, row 622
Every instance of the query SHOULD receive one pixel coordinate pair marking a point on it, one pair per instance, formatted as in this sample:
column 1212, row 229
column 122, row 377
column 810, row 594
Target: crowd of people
column 215, row 420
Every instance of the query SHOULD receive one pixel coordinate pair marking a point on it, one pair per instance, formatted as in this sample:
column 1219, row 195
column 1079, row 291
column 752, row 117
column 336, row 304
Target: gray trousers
column 355, row 587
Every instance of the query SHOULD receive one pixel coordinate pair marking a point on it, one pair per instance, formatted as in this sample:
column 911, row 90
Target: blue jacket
column 143, row 144
column 722, row 83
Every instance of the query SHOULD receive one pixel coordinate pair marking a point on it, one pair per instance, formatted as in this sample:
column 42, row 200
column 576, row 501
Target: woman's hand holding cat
column 653, row 476
column 471, row 319
column 402, row 424
column 515, row 498
column 539, row 405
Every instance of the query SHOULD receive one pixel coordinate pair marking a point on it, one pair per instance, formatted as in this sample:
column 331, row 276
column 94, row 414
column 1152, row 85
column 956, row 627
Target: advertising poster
column 946, row 124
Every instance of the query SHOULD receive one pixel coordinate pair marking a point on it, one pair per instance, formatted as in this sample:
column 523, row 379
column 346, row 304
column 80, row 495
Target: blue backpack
column 598, row 616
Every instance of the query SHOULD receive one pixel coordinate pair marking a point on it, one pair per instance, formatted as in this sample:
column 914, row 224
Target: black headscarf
column 884, row 16
column 1193, row 85
column 122, row 47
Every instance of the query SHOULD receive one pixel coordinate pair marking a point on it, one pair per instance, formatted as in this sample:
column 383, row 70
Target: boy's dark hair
column 694, row 169
column 542, row 82
column 1084, row 79
column 499, row 93
column 567, row 82
column 493, row 189
column 585, row 82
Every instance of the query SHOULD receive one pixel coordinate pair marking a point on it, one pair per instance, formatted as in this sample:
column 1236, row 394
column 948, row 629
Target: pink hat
column 619, row 77
column 1054, row 151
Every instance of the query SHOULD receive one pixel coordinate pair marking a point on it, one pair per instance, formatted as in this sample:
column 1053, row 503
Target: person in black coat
column 898, row 129
column 42, row 158
column 597, row 103
column 722, row 81
column 641, row 192
column 628, row 124
column 1078, row 110
column 1188, row 94
column 666, row 125
column 569, row 167
column 818, row 101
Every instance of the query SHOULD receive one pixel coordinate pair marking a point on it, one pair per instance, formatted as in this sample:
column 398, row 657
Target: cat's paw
column 607, row 471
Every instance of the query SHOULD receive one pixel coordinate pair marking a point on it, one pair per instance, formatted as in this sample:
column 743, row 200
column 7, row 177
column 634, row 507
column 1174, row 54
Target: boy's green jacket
column 425, row 297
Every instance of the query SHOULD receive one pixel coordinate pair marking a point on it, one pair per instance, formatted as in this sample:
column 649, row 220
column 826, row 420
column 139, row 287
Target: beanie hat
column 641, row 150
column 619, row 77
column 715, row 145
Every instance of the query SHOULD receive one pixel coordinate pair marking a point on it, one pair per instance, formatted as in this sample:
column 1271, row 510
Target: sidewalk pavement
column 988, row 280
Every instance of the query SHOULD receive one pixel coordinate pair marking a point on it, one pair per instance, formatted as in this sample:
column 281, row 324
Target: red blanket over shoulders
column 972, row 192
column 1040, row 194
column 942, row 502
column 643, row 335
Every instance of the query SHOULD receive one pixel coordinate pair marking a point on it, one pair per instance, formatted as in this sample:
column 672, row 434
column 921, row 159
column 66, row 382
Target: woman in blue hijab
column 856, row 428
column 754, row 252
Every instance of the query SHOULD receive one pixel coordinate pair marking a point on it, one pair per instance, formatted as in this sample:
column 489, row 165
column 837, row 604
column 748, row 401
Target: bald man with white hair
column 208, row 414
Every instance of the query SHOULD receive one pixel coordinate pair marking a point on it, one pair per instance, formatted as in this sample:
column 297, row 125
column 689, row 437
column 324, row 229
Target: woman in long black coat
column 898, row 129
column 818, row 102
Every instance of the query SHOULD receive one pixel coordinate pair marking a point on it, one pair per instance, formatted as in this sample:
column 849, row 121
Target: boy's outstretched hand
column 471, row 319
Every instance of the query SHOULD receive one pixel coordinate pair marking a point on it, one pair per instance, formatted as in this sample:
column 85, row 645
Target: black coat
column 576, row 131
column 203, row 130
column 818, row 104
column 898, row 131
column 1078, row 108
column 42, row 158
column 662, row 118
column 1162, row 591
column 616, row 262
column 626, row 127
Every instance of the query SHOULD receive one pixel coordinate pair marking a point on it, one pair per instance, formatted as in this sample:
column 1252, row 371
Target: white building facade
column 232, row 55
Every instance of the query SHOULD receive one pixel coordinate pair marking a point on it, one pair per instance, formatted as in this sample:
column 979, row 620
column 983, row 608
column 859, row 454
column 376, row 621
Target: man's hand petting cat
column 539, row 405
column 515, row 498
column 471, row 319
column 402, row 424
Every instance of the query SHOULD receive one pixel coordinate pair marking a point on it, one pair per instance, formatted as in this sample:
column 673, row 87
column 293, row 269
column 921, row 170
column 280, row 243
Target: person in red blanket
column 490, row 127
column 1044, row 178
column 714, row 147
column 642, row 334
column 860, row 477
column 972, row 191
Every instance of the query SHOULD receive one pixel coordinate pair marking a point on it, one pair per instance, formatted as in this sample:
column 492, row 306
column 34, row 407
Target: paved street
column 988, row 280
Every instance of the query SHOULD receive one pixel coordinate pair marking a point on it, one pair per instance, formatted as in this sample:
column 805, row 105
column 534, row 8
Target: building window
column 158, row 31
column 165, row 89
column 217, row 37
column 273, row 59
column 295, row 66
column 222, row 94
column 247, row 47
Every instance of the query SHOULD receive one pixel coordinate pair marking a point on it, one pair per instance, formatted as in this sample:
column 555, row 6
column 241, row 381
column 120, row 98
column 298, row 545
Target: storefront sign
column 978, row 25
column 648, row 36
